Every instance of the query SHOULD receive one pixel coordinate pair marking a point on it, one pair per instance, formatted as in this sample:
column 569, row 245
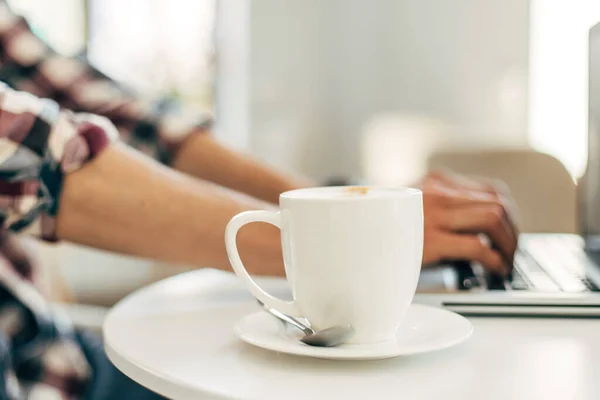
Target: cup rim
column 385, row 192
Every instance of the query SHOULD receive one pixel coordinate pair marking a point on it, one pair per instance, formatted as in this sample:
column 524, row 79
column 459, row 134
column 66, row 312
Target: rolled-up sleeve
column 39, row 145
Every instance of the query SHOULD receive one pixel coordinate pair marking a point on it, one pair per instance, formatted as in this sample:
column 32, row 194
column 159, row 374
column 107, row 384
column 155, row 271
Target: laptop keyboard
column 551, row 264
column 547, row 264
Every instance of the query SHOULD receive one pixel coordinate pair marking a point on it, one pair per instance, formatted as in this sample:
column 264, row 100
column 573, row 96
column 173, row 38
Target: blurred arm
column 61, row 178
column 203, row 157
column 125, row 202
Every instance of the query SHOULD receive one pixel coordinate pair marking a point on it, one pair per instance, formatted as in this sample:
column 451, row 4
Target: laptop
column 554, row 274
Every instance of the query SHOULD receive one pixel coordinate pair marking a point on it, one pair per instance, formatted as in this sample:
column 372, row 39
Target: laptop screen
column 590, row 184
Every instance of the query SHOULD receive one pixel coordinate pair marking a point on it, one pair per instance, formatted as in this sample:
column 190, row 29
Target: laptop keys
column 517, row 281
column 590, row 285
column 548, row 265
column 534, row 275
column 495, row 282
column 563, row 265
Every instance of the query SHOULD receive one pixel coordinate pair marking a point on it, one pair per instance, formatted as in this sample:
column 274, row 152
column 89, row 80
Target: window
column 61, row 23
column 158, row 47
column 558, row 109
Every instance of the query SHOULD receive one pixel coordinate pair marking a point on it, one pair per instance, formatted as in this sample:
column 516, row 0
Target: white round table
column 154, row 337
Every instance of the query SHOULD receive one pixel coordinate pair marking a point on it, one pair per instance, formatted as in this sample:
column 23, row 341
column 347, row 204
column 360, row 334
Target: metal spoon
column 328, row 337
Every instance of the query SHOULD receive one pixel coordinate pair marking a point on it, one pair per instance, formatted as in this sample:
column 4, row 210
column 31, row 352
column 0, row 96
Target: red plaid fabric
column 40, row 142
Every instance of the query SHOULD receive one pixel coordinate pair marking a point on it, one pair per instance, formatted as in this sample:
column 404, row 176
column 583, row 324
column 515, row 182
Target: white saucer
column 424, row 329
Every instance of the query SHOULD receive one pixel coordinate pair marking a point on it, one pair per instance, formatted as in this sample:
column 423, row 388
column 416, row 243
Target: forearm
column 202, row 157
column 124, row 202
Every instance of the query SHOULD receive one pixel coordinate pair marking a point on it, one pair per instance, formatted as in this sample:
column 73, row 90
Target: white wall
column 559, row 78
column 319, row 70
column 233, row 72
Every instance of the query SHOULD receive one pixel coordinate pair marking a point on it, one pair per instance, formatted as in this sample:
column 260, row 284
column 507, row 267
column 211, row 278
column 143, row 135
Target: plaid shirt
column 40, row 142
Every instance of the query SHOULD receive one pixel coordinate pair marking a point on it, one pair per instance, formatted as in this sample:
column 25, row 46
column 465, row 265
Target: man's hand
column 460, row 213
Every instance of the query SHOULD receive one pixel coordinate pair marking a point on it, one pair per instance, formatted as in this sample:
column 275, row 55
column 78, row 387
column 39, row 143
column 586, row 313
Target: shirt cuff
column 161, row 133
column 92, row 134
column 73, row 141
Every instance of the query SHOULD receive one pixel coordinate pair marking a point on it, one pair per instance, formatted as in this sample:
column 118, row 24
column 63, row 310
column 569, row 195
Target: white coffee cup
column 352, row 256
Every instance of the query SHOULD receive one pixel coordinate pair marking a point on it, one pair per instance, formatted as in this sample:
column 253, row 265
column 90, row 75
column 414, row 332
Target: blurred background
column 374, row 90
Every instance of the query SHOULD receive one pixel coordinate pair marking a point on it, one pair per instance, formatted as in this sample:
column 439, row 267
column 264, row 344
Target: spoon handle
column 290, row 320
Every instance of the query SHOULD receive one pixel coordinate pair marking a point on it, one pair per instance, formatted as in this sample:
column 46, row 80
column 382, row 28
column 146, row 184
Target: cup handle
column 270, row 217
